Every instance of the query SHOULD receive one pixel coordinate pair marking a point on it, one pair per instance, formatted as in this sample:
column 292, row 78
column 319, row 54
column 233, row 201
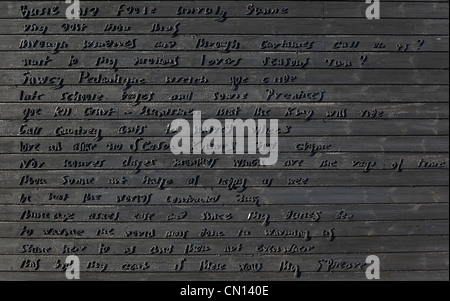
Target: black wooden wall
column 363, row 116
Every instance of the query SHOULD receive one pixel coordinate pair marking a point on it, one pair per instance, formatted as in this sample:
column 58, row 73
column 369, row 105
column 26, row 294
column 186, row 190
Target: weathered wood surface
column 259, row 26
column 325, row 9
column 254, row 42
column 363, row 140
column 308, row 112
column 127, row 214
column 299, row 145
column 75, row 78
column 276, row 93
column 238, row 181
column 231, row 276
column 430, row 244
column 398, row 261
column 276, row 230
column 272, row 196
column 238, row 61
column 166, row 161
column 96, row 130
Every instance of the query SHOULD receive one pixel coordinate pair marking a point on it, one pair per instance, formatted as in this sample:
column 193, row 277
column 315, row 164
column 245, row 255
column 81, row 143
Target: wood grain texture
column 86, row 167
column 326, row 9
column 249, row 42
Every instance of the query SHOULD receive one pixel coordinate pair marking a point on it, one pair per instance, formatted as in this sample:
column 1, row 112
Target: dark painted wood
column 363, row 145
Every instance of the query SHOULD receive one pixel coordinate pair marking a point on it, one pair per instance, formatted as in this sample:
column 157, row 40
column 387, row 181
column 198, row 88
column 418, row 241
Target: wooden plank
column 269, row 196
column 234, row 180
column 87, row 169
column 277, row 231
column 312, row 111
column 127, row 78
column 342, row 42
column 293, row 145
column 236, row 61
column 370, row 245
column 254, row 26
column 273, row 93
column 223, row 10
column 93, row 276
column 290, row 215
column 242, row 264
column 123, row 163
column 96, row 130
